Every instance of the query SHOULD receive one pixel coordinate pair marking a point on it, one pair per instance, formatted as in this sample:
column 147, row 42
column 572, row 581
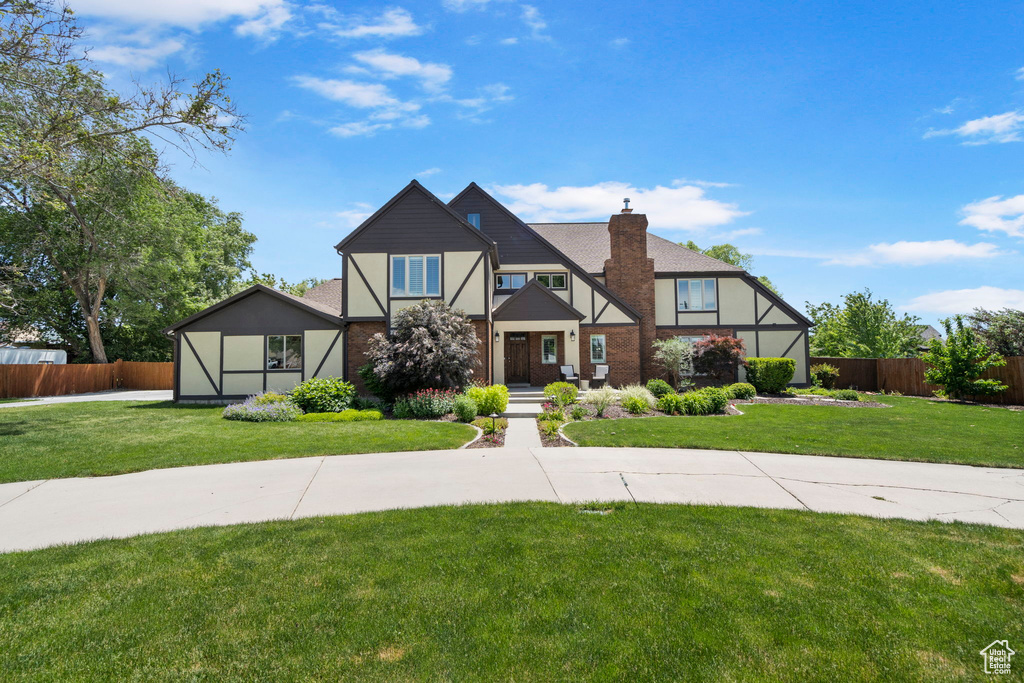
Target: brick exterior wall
column 543, row 373
column 485, row 337
column 670, row 332
column 630, row 274
column 357, row 337
column 622, row 350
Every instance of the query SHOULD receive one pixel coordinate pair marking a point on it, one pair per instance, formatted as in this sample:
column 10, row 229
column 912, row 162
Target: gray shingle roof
column 325, row 294
column 589, row 245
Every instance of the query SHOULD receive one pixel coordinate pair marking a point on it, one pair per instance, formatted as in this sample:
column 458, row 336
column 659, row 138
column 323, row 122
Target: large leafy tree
column 279, row 283
column 1002, row 331
column 957, row 364
column 862, row 327
column 732, row 255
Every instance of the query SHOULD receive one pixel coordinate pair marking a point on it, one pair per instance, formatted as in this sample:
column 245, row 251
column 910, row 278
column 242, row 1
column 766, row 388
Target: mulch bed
column 496, row 440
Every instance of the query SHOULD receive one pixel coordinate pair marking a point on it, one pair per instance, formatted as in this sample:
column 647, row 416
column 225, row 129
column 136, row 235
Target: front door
column 517, row 358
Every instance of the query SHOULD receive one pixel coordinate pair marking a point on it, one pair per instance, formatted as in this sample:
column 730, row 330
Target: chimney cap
column 626, row 208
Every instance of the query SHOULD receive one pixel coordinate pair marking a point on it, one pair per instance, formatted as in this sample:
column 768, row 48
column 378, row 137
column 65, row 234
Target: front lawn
column 521, row 592
column 113, row 437
column 912, row 429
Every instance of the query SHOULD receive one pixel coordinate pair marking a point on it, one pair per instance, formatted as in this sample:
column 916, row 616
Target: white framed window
column 415, row 276
column 474, row 220
column 284, row 352
column 509, row 280
column 697, row 295
column 548, row 349
column 553, row 280
column 598, row 350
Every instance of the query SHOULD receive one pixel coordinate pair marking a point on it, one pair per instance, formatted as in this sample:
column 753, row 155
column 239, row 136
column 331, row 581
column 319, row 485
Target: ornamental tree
column 957, row 363
column 431, row 346
column 675, row 356
column 718, row 356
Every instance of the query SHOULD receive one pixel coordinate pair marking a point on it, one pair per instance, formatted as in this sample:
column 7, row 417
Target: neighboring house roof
column 928, row 333
column 327, row 293
column 589, row 245
column 314, row 307
column 535, row 301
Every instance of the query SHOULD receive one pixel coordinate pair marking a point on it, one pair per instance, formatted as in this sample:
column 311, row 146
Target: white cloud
column 682, row 208
column 351, row 218
column 433, row 77
column 428, row 172
column 137, row 57
column 678, row 182
column 508, row 41
column 535, row 22
column 357, row 128
column 463, row 5
column 392, row 23
column 267, row 25
column 186, row 13
column 620, row 42
column 361, row 95
column 996, row 214
column 1020, row 74
column 1004, row 127
column 953, row 301
column 905, row 253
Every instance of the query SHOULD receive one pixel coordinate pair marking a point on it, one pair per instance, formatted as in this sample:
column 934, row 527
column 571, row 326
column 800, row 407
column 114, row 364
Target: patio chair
column 600, row 377
column 567, row 373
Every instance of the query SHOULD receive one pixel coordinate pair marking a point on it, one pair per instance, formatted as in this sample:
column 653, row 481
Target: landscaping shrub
column 552, row 413
column 846, row 395
column 561, row 393
column 491, row 426
column 431, row 403
column 674, row 356
column 824, row 375
column 464, row 408
column 636, row 399
column 251, row 411
column 718, row 356
column 719, row 398
column 402, row 409
column 770, row 375
column 697, row 403
column 600, row 399
column 349, row 415
column 741, row 390
column 550, row 429
column 365, row 403
column 671, row 404
column 268, row 397
column 431, row 346
column 489, row 400
column 579, row 412
column 374, row 384
column 323, row 395
column 957, row 363
column 659, row 387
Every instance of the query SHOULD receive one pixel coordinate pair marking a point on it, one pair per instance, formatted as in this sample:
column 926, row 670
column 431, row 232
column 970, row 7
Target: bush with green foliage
column 671, row 404
column 825, row 375
column 659, row 387
column 718, row 356
column 741, row 391
column 490, row 400
column 719, row 398
column 428, row 404
column 561, row 393
column 431, row 346
column 958, row 362
column 491, row 425
column 637, row 399
column 770, row 375
column 600, row 398
column 464, row 408
column 402, row 409
column 675, row 357
column 251, row 411
column 862, row 328
column 845, row 395
column 1002, row 331
column 579, row 412
column 268, row 397
column 551, row 412
column 323, row 395
column 367, row 403
column 697, row 403
column 349, row 415
column 374, row 384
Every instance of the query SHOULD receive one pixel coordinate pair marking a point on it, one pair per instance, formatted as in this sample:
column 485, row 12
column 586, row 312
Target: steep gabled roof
column 534, row 298
column 328, row 293
column 414, row 186
column 316, row 308
column 589, row 244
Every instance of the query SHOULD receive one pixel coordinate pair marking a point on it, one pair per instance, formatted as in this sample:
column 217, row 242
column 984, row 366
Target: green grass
column 113, row 437
column 521, row 592
column 912, row 429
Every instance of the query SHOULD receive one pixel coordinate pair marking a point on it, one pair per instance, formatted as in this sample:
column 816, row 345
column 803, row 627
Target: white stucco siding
column 243, row 384
column 317, row 344
column 774, row 344
column 458, row 265
column 735, row 301
column 581, row 298
column 664, row 302
column 283, row 381
column 776, row 316
column 243, row 352
column 374, row 268
column 194, row 381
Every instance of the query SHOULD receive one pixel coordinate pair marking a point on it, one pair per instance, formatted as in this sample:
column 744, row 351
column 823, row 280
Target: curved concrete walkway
column 43, row 513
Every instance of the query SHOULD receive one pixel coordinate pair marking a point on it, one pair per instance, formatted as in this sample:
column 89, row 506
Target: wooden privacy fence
column 906, row 376
column 26, row 381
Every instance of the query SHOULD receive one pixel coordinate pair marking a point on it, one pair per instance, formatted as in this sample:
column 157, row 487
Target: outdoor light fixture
column 497, row 337
column 572, row 336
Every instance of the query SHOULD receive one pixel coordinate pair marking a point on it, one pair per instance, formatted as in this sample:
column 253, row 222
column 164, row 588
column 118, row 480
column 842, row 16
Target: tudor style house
column 540, row 296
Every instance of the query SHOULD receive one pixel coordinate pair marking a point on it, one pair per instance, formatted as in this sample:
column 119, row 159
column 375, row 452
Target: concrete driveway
column 43, row 513
column 115, row 395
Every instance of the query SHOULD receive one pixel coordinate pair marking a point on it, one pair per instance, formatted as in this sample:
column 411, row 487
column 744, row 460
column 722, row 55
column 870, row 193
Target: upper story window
column 697, row 295
column 508, row 281
column 552, row 280
column 415, row 276
column 474, row 220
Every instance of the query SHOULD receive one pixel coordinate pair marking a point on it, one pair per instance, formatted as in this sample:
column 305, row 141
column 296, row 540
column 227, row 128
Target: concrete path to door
column 45, row 513
column 138, row 395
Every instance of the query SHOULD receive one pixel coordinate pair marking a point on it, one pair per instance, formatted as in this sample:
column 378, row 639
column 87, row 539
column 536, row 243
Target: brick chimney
column 629, row 273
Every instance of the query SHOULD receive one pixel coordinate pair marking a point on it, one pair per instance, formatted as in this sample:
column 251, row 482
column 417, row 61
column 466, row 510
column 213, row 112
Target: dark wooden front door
column 517, row 358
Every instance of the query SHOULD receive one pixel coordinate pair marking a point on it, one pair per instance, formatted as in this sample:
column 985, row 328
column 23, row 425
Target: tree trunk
column 99, row 353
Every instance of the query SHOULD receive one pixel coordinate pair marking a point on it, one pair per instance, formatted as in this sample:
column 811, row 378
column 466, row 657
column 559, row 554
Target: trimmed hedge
column 770, row 375
column 323, row 395
column 659, row 387
column 349, row 415
column 741, row 390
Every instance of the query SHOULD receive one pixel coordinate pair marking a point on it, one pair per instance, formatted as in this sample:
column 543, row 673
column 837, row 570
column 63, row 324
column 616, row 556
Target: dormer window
column 552, row 280
column 474, row 220
column 509, row 281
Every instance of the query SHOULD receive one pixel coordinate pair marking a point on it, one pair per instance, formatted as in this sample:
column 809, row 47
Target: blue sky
column 846, row 146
